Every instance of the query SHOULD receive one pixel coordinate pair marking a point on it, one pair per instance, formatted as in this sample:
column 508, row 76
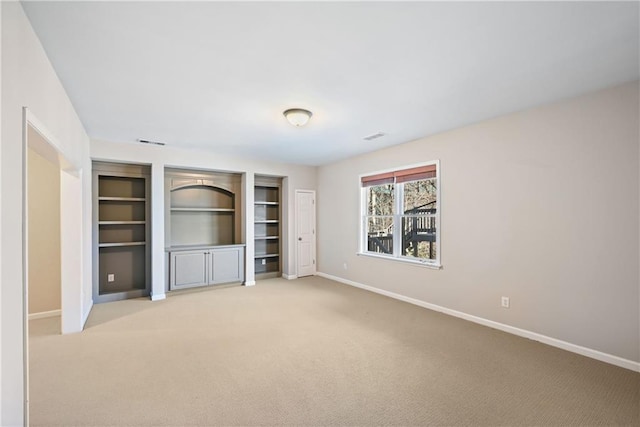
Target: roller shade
column 405, row 175
column 415, row 174
column 378, row 179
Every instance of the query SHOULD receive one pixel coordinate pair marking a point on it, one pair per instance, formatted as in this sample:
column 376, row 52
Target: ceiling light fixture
column 298, row 116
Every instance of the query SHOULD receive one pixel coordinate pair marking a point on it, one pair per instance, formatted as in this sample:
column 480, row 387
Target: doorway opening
column 43, row 230
column 51, row 240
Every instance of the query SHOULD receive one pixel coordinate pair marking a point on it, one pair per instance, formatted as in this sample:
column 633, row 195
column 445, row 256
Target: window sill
column 432, row 266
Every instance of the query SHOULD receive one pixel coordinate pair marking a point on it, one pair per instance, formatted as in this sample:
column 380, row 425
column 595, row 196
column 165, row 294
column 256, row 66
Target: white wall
column 541, row 206
column 28, row 79
column 298, row 177
column 1, row 207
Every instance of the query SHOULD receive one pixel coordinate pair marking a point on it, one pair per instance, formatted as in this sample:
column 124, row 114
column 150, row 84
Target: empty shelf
column 202, row 210
column 121, row 199
column 119, row 222
column 113, row 245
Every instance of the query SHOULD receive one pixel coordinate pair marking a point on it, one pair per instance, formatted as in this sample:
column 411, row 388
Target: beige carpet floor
column 310, row 352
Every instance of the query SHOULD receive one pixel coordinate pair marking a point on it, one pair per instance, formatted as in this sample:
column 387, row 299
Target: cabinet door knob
column 300, row 238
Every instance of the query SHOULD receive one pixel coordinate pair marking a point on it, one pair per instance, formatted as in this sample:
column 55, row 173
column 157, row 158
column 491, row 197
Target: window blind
column 378, row 179
column 405, row 175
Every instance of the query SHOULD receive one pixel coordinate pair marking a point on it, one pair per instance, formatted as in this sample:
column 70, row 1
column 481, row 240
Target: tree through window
column 400, row 213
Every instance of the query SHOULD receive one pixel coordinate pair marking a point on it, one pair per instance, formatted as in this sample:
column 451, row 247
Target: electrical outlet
column 505, row 302
column 264, row 261
column 344, row 265
column 111, row 278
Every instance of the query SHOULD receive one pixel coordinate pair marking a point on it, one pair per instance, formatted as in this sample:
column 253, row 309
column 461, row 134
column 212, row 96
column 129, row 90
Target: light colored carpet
column 310, row 352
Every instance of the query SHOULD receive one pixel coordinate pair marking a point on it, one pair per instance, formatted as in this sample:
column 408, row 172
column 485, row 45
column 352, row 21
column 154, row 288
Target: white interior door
column 306, row 232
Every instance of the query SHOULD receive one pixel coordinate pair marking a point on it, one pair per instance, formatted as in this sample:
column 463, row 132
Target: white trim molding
column 158, row 297
column 289, row 276
column 406, row 260
column 250, row 283
column 574, row 348
column 45, row 314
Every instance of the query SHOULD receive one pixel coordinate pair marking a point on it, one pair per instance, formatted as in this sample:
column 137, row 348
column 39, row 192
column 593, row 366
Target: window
column 400, row 214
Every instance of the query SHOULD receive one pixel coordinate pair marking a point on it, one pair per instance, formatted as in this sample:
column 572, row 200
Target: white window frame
column 397, row 219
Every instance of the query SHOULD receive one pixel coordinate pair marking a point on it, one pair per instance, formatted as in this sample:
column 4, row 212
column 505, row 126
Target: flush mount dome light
column 297, row 116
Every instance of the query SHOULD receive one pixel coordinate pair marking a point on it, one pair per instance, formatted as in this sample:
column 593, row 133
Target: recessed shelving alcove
column 267, row 227
column 121, row 230
column 202, row 228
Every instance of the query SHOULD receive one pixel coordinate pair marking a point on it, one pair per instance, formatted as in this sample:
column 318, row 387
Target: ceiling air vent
column 146, row 141
column 374, row 136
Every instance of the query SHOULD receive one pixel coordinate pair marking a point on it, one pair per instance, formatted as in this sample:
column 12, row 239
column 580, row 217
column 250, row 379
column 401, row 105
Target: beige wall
column 540, row 206
column 44, row 233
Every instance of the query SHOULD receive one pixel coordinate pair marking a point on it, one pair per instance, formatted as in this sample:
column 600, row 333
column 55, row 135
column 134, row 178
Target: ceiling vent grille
column 146, row 141
column 374, row 136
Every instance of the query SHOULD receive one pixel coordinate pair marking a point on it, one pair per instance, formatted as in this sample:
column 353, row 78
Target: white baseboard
column 289, row 276
column 158, row 297
column 250, row 283
column 45, row 314
column 574, row 348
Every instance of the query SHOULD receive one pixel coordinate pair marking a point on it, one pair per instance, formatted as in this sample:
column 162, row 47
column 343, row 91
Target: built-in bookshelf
column 202, row 228
column 121, row 231
column 267, row 227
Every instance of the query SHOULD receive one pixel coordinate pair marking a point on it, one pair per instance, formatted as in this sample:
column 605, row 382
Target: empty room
column 319, row 213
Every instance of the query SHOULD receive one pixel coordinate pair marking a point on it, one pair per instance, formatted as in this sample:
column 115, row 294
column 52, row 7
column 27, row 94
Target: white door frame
column 297, row 192
column 70, row 236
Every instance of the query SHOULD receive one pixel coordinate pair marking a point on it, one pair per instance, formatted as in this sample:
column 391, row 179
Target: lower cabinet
column 205, row 266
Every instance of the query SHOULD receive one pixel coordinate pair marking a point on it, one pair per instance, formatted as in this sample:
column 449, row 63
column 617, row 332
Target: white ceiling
column 217, row 76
